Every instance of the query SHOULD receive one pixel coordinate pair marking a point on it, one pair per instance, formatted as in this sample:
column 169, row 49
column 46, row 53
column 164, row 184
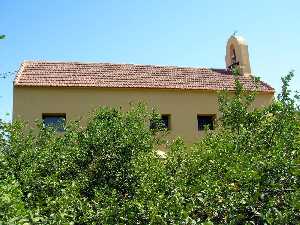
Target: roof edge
column 121, row 63
column 19, row 73
column 152, row 88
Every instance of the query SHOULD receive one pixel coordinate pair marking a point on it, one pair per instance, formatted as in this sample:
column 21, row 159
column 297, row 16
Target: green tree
column 244, row 172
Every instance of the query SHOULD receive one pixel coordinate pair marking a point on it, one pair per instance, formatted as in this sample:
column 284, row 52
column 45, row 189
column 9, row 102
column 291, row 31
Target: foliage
column 244, row 172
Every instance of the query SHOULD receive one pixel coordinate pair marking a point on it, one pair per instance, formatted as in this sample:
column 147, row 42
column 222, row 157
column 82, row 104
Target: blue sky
column 185, row 33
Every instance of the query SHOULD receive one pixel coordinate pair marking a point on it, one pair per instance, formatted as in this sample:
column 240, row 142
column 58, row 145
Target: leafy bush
column 244, row 172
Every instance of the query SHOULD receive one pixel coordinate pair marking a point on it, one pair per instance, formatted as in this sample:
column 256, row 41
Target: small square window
column 163, row 122
column 205, row 120
column 57, row 121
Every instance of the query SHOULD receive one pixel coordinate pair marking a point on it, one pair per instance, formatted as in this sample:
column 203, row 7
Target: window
column 165, row 119
column 163, row 122
column 57, row 121
column 233, row 58
column 205, row 120
column 233, row 55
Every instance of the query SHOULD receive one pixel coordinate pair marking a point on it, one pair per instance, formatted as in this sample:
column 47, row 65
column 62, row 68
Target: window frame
column 168, row 116
column 154, row 126
column 213, row 119
column 58, row 128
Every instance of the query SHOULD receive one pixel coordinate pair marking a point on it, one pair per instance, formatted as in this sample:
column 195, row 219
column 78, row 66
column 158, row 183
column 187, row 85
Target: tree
column 109, row 173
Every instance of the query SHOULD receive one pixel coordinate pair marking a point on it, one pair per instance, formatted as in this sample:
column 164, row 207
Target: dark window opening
column 233, row 56
column 165, row 119
column 56, row 121
column 234, row 63
column 162, row 123
column 205, row 120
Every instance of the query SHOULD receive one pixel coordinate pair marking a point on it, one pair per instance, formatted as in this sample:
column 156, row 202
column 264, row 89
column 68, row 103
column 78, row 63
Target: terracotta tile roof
column 76, row 74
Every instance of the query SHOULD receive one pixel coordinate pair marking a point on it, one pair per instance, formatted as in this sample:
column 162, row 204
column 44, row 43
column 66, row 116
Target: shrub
column 244, row 172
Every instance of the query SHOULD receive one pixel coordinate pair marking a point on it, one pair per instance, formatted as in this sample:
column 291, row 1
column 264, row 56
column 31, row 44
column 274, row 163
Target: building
column 186, row 97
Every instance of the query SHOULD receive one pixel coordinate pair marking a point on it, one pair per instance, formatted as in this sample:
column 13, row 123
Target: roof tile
column 76, row 74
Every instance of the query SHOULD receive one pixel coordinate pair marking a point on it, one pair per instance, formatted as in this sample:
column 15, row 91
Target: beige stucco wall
column 183, row 105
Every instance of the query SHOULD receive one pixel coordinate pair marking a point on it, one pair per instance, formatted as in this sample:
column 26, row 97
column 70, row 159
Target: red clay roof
column 76, row 74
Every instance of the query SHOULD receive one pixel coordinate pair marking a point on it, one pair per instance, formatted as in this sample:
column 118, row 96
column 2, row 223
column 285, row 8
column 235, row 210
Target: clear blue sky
column 185, row 33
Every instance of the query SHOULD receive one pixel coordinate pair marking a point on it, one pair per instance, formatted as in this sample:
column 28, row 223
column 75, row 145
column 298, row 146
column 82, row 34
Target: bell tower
column 237, row 55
